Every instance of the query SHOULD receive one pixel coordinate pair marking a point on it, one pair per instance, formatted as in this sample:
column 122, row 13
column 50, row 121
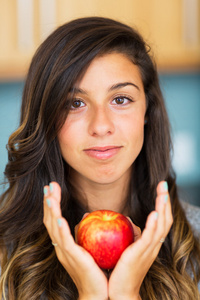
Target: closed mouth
column 102, row 149
column 102, row 153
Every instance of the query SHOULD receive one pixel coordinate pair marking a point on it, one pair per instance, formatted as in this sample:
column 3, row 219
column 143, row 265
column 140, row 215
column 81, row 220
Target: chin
column 103, row 174
column 107, row 178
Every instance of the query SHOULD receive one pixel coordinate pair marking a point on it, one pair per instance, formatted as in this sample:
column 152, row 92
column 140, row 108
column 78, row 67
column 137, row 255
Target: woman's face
column 104, row 131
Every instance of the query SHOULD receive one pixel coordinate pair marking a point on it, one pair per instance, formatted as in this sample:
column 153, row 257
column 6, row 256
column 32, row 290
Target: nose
column 101, row 123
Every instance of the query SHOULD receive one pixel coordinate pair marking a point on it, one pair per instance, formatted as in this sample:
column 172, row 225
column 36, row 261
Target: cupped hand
column 89, row 279
column 126, row 279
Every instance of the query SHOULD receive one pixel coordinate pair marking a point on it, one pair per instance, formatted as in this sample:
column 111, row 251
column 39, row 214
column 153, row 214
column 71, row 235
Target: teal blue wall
column 10, row 98
column 182, row 94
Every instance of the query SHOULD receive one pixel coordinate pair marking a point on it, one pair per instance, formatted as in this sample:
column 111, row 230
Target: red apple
column 105, row 235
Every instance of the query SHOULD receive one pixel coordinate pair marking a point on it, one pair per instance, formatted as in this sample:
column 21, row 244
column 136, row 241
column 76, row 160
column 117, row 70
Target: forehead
column 109, row 69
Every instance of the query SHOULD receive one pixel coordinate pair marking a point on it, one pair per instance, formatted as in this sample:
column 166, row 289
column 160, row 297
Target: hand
column 87, row 276
column 128, row 275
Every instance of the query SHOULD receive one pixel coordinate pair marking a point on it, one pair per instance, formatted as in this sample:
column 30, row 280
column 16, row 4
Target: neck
column 110, row 196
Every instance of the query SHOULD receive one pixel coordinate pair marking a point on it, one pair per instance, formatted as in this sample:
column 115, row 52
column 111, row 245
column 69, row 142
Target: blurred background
column 171, row 28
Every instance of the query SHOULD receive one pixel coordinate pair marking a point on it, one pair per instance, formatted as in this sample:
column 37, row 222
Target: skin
column 101, row 120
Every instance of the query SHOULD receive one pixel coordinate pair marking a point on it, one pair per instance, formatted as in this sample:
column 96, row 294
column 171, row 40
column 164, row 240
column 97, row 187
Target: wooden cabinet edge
column 18, row 72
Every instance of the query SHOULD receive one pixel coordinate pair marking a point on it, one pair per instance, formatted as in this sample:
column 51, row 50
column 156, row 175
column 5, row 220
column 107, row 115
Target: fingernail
column 48, row 202
column 45, row 191
column 156, row 215
column 165, row 186
column 51, row 187
column 165, row 198
column 59, row 221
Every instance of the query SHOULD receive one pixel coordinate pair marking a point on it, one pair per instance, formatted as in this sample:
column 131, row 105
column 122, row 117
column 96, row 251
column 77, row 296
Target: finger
column 64, row 235
column 54, row 200
column 161, row 230
column 60, row 231
column 51, row 190
column 136, row 230
column 150, row 228
column 155, row 224
column 52, row 211
column 56, row 220
column 46, row 204
column 161, row 200
column 55, row 191
column 169, row 216
column 163, row 196
column 67, row 246
column 162, row 188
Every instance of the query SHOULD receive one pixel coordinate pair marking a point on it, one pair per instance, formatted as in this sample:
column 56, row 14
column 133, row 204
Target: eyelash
column 118, row 97
column 122, row 97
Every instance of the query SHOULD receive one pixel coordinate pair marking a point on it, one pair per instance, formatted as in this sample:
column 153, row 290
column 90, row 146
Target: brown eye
column 122, row 100
column 119, row 100
column 77, row 104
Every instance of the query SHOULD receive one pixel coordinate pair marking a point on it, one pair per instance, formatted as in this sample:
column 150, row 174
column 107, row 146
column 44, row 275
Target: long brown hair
column 29, row 266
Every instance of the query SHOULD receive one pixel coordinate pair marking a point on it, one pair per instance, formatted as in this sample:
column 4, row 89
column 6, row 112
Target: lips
column 103, row 153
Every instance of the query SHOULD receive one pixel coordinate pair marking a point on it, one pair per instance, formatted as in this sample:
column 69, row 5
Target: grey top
column 193, row 215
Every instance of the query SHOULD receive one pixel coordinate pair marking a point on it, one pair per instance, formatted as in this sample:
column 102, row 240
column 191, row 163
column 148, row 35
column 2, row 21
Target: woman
column 94, row 125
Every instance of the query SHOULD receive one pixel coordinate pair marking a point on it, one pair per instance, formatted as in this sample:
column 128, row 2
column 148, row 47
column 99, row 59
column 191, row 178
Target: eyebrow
column 76, row 90
column 122, row 84
column 113, row 87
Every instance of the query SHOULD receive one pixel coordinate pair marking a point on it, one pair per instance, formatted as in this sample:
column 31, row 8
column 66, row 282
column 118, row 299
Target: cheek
column 133, row 126
column 135, row 136
column 70, row 139
column 66, row 137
